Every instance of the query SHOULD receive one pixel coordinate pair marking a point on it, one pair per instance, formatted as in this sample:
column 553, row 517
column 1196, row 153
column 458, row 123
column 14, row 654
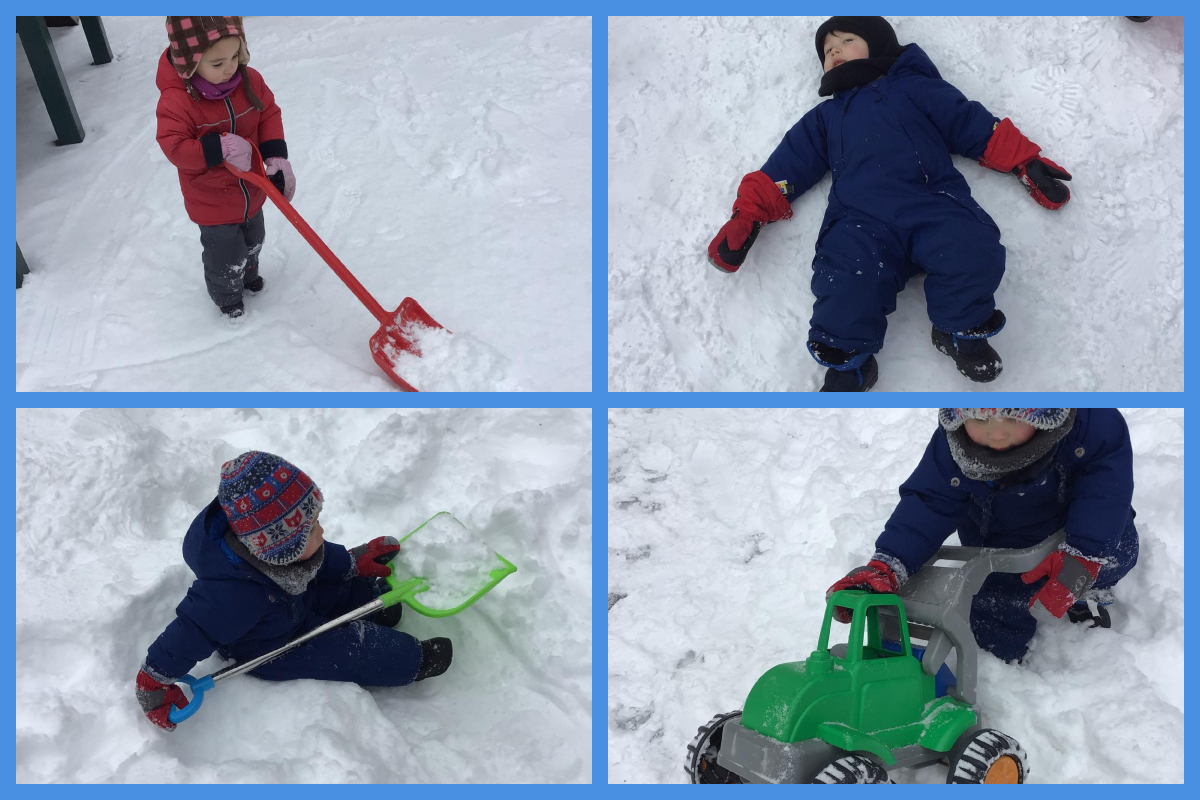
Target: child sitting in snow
column 1011, row 477
column 212, row 107
column 265, row 576
column 897, row 204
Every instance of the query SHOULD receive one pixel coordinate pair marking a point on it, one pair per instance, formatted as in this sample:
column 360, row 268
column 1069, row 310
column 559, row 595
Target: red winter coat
column 212, row 194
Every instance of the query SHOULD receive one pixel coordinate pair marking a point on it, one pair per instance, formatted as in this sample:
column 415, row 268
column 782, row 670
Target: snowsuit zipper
column 241, row 183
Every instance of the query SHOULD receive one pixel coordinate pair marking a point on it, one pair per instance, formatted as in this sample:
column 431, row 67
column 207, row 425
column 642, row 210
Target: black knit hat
column 876, row 32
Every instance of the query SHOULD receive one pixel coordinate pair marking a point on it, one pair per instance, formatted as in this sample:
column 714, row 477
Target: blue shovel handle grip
column 199, row 687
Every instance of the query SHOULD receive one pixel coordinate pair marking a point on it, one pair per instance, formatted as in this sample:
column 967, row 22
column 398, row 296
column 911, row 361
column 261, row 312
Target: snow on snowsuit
column 227, row 209
column 897, row 204
column 239, row 612
column 1084, row 486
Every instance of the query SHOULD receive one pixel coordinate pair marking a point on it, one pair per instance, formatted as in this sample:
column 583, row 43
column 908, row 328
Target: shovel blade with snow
column 448, row 588
column 395, row 334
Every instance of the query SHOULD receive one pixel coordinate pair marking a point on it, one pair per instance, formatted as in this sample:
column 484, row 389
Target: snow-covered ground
column 104, row 498
column 447, row 159
column 727, row 526
column 1093, row 292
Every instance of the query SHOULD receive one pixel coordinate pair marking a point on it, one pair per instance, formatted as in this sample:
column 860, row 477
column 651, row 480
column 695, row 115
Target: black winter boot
column 974, row 358
column 435, row 657
column 234, row 311
column 852, row 380
column 255, row 286
column 1082, row 612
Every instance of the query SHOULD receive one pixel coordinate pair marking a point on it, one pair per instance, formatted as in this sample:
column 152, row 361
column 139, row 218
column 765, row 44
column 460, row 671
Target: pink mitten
column 236, row 151
column 277, row 166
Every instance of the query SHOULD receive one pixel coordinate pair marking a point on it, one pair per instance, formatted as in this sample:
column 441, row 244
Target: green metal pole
column 97, row 40
column 35, row 38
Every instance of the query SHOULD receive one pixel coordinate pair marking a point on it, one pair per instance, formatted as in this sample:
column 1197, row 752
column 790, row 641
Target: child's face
column 842, row 47
column 999, row 433
column 316, row 537
column 220, row 61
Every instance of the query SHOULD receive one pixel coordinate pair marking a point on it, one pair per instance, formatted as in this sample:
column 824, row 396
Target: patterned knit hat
column 271, row 505
column 189, row 37
column 1043, row 419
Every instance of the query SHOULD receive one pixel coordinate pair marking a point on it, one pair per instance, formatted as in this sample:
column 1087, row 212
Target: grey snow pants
column 231, row 258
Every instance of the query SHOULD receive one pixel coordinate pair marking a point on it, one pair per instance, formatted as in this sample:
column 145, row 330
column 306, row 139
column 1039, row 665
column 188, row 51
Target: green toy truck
column 850, row 712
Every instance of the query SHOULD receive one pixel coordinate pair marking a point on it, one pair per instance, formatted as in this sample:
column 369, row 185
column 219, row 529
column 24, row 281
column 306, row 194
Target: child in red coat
column 211, row 109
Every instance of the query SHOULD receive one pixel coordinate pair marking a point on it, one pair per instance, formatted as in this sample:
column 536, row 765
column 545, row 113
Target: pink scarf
column 210, row 91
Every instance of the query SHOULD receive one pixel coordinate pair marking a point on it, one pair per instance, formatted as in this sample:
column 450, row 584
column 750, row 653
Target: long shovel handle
column 257, row 175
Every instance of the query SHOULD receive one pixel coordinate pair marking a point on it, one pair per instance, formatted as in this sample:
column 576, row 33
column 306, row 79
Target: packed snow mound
column 453, row 362
column 1094, row 292
column 727, row 526
column 104, row 498
column 455, row 562
column 446, row 159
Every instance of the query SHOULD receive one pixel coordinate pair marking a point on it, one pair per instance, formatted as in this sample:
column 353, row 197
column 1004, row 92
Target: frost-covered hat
column 1043, row 419
column 982, row 463
column 271, row 505
column 189, row 37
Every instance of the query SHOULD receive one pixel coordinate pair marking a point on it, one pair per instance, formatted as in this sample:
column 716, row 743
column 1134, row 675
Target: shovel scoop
column 397, row 328
column 442, row 568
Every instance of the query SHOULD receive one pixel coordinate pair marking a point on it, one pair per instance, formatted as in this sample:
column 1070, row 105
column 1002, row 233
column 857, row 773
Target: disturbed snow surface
column 105, row 497
column 441, row 159
column 454, row 561
column 726, row 528
column 1093, row 292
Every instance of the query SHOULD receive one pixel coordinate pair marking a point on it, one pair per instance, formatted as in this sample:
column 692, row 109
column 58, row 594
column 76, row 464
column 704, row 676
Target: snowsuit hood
column 189, row 129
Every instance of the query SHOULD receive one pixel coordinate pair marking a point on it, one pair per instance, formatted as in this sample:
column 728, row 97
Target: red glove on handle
column 370, row 559
column 1069, row 577
column 875, row 577
column 1009, row 151
column 157, row 698
column 759, row 201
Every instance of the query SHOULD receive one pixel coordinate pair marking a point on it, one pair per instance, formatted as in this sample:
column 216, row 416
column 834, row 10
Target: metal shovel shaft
column 349, row 616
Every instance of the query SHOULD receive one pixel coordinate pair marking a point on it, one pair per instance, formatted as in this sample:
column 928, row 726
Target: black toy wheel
column 987, row 756
column 701, row 765
column 852, row 769
column 1138, row 19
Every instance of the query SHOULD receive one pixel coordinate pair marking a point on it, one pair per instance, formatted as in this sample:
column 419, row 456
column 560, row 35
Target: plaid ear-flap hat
column 189, row 37
column 271, row 505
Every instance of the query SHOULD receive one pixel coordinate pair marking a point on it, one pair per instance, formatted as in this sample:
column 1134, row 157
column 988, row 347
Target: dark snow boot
column 974, row 358
column 1082, row 612
column 435, row 657
column 852, row 380
column 234, row 311
column 254, row 286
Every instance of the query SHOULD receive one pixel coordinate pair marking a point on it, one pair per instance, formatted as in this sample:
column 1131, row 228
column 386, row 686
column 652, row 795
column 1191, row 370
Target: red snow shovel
column 393, row 336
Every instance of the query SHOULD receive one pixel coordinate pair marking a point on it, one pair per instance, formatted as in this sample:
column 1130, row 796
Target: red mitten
column 1068, row 577
column 157, row 698
column 370, row 559
column 1009, row 151
column 759, row 201
column 876, row 577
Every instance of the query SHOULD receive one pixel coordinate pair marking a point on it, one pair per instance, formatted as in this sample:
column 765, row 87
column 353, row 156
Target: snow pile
column 104, row 498
column 1093, row 292
column 727, row 526
column 446, row 159
column 453, row 362
column 454, row 561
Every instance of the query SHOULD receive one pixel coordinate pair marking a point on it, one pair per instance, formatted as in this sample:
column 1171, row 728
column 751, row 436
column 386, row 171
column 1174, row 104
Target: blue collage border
column 600, row 400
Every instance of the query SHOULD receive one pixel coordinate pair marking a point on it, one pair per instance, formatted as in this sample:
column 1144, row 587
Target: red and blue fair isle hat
column 1043, row 419
column 271, row 505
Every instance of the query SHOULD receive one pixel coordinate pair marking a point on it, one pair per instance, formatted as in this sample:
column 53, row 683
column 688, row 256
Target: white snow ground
column 726, row 528
column 1093, row 292
column 447, row 159
column 104, row 499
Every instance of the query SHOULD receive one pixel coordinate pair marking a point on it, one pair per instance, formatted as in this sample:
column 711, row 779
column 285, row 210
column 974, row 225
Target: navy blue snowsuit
column 1086, row 488
column 241, row 613
column 897, row 204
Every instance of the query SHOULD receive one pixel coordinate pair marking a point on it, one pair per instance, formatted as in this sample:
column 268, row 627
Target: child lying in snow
column 211, row 107
column 1011, row 477
column 264, row 576
column 897, row 204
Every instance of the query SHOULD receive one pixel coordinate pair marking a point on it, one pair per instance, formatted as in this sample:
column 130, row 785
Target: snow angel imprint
column 211, row 108
column 897, row 205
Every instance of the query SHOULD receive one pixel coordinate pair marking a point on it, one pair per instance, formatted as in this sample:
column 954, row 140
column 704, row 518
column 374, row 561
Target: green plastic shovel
column 405, row 588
